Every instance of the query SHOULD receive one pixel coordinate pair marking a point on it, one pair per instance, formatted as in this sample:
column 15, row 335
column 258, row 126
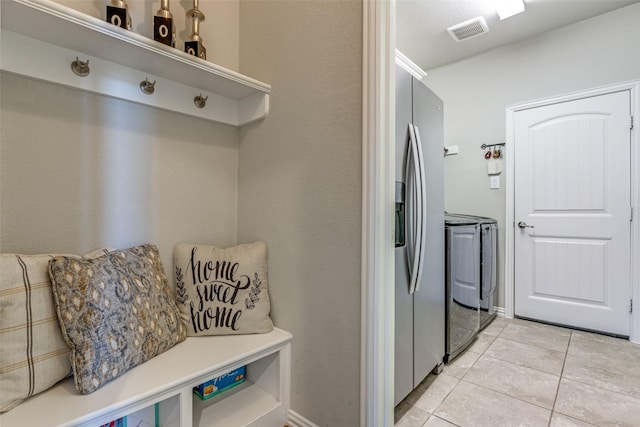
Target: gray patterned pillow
column 116, row 312
column 223, row 291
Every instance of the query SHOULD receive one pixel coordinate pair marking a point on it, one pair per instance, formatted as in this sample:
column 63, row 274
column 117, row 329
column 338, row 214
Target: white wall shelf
column 40, row 39
column 168, row 379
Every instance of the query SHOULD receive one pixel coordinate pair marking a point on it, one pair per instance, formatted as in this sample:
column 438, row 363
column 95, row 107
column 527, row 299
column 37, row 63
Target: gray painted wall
column 80, row 171
column 300, row 190
column 592, row 53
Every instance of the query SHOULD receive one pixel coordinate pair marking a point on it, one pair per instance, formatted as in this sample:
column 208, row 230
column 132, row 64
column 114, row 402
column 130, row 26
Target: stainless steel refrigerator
column 419, row 253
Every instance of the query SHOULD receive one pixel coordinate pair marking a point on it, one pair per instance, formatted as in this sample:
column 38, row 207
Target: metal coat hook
column 199, row 101
column 80, row 68
column 147, row 87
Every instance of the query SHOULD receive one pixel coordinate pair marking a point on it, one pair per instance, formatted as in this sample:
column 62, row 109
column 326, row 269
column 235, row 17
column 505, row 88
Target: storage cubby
column 165, row 413
column 229, row 408
column 168, row 380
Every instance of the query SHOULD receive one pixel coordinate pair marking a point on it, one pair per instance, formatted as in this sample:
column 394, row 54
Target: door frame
column 509, row 273
column 378, row 213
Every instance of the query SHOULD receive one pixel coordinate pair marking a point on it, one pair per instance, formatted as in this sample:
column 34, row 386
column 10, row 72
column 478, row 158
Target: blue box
column 219, row 384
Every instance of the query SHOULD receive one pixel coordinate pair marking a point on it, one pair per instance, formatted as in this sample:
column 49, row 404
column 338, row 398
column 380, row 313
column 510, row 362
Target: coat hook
column 200, row 101
column 147, row 87
column 80, row 68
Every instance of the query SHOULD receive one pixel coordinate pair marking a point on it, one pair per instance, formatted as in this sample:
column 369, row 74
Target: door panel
column 570, row 164
column 571, row 270
column 572, row 187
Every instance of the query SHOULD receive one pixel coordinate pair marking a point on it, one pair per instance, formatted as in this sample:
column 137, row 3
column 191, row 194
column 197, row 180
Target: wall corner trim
column 410, row 66
column 296, row 420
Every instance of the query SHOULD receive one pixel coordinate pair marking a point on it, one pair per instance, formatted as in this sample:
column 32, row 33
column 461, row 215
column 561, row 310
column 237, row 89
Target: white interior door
column 572, row 213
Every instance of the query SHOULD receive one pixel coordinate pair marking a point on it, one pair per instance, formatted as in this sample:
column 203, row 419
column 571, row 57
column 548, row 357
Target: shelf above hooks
column 40, row 38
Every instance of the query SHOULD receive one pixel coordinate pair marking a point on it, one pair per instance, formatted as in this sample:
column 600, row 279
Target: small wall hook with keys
column 199, row 101
column 147, row 87
column 80, row 68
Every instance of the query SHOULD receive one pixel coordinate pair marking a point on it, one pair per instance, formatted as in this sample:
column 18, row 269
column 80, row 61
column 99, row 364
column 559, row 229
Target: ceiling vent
column 469, row 29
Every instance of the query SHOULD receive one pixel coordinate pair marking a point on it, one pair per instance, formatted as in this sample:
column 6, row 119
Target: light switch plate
column 494, row 182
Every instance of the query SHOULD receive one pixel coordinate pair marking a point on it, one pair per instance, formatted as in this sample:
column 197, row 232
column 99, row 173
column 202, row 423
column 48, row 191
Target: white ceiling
column 421, row 27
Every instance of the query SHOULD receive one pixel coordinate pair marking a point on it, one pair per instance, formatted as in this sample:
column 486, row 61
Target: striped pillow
column 33, row 355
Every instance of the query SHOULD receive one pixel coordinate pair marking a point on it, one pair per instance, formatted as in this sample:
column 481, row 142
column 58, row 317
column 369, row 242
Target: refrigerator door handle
column 422, row 208
column 413, row 260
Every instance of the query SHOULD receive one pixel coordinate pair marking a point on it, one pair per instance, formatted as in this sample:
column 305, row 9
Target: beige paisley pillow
column 223, row 291
column 116, row 312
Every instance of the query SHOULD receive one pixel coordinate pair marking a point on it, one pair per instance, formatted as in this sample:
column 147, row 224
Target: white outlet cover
column 494, row 182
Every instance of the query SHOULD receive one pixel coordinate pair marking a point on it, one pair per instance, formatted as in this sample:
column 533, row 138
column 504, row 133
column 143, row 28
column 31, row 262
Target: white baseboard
column 297, row 420
column 499, row 311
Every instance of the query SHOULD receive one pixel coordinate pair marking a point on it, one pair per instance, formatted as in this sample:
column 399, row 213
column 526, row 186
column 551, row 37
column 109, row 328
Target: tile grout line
column 480, row 354
column 572, row 335
column 440, row 418
column 512, row 397
column 500, row 392
column 529, row 367
column 505, row 361
column 432, row 414
column 564, row 361
column 570, row 331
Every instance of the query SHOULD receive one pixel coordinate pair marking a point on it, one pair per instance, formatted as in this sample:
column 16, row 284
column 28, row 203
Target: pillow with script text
column 222, row 291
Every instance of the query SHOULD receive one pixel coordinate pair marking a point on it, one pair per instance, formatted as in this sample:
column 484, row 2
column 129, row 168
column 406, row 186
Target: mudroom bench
column 162, row 389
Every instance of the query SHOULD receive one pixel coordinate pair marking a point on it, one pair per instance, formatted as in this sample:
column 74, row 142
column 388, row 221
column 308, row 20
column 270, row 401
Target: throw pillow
column 33, row 354
column 115, row 312
column 223, row 291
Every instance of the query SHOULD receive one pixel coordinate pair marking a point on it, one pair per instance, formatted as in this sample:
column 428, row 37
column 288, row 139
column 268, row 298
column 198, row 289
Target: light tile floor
column 521, row 373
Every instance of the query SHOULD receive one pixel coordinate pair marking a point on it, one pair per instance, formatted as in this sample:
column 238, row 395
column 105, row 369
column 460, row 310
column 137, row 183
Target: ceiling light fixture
column 507, row 8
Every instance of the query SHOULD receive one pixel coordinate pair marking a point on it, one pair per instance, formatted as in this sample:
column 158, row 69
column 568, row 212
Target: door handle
column 523, row 224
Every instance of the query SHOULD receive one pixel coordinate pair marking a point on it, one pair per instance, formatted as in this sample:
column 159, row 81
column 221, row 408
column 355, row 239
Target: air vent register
column 468, row 29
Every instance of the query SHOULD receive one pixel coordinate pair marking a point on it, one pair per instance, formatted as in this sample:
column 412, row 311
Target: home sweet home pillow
column 223, row 291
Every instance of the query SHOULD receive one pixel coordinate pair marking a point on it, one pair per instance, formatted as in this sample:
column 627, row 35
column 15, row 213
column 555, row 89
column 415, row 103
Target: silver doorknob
column 523, row 224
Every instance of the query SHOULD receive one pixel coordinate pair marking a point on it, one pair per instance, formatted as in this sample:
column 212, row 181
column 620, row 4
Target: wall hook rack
column 80, row 68
column 199, row 101
column 147, row 87
column 499, row 144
